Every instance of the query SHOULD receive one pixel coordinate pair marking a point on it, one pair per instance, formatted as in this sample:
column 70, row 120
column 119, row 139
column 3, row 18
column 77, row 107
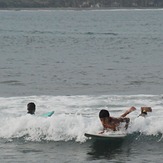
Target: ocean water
column 77, row 62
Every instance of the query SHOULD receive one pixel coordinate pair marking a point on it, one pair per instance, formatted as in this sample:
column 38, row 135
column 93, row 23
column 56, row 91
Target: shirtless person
column 113, row 123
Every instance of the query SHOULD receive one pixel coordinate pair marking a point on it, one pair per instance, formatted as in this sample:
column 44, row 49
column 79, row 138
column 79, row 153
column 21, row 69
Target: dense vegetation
column 80, row 3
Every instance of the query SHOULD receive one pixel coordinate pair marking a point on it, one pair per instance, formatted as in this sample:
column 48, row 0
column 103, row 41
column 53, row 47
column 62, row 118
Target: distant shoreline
column 78, row 9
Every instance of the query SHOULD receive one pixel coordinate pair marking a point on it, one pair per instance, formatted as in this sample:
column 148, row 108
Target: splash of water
column 74, row 115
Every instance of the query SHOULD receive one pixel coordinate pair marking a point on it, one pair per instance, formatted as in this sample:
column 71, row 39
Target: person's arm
column 128, row 111
column 126, row 120
column 107, row 126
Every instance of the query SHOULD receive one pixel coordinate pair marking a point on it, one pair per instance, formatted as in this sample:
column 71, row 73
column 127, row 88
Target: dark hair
column 104, row 113
column 31, row 107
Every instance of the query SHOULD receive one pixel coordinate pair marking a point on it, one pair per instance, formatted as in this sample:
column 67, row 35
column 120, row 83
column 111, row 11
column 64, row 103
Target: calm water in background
column 81, row 52
column 92, row 56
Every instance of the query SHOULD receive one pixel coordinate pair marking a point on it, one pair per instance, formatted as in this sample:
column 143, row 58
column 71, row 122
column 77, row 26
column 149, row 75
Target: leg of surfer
column 144, row 111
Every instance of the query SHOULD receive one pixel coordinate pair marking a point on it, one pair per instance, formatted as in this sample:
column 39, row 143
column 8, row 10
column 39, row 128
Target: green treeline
column 79, row 3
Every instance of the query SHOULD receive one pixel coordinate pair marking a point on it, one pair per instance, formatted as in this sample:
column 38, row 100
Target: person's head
column 104, row 116
column 31, row 107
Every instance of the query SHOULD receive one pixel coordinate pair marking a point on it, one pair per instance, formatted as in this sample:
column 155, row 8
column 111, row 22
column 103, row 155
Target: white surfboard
column 109, row 136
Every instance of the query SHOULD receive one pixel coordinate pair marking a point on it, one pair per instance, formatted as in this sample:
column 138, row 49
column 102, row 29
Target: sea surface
column 75, row 63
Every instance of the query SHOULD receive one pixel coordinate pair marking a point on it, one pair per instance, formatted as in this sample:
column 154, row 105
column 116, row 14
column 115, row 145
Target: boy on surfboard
column 31, row 108
column 113, row 123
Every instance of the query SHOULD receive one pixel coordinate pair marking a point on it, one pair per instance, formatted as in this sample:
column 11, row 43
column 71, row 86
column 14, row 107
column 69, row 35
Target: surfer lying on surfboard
column 113, row 123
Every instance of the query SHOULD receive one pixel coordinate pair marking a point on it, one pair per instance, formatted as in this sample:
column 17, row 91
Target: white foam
column 74, row 115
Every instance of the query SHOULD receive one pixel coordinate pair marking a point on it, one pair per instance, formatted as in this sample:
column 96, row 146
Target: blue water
column 77, row 62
